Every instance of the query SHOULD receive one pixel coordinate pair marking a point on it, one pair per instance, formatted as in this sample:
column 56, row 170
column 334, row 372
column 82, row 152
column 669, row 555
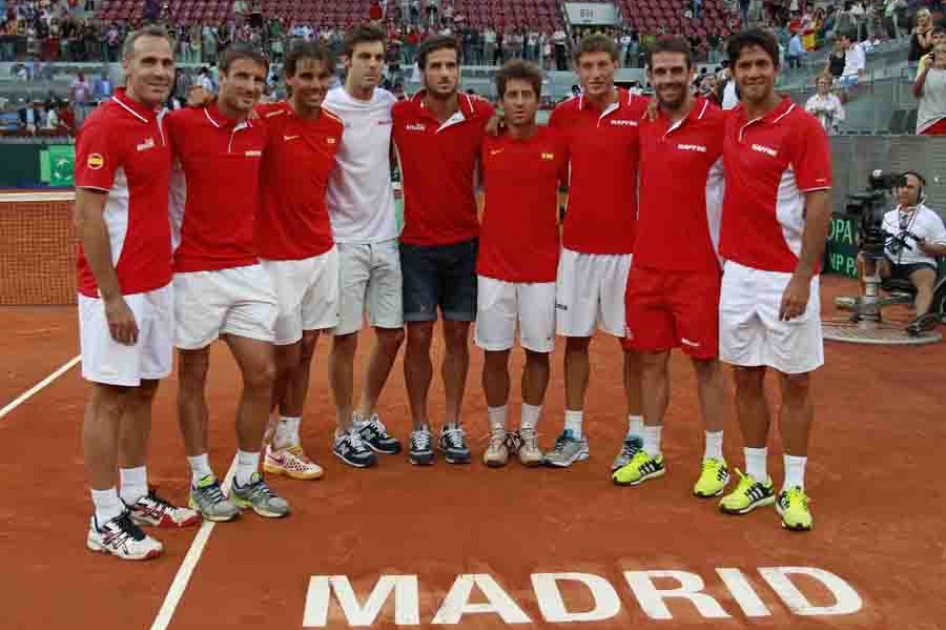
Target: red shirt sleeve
column 98, row 155
column 811, row 155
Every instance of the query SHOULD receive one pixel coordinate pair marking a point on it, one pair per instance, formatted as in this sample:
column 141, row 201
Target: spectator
column 204, row 81
column 939, row 37
column 375, row 12
column 930, row 90
column 744, row 11
column 855, row 62
column 825, row 106
column 835, row 63
column 103, row 88
column 81, row 93
column 921, row 41
column 560, row 43
column 796, row 51
column 697, row 9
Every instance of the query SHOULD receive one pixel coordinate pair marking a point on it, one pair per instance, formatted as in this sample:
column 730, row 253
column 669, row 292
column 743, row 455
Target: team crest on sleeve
column 548, row 156
column 95, row 161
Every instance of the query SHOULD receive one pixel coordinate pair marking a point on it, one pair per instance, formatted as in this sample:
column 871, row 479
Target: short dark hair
column 594, row 44
column 363, row 34
column 851, row 36
column 519, row 69
column 749, row 38
column 939, row 29
column 671, row 45
column 440, row 42
column 308, row 50
column 152, row 30
column 241, row 50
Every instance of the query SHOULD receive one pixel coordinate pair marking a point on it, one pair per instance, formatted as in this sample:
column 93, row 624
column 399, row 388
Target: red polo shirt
column 771, row 162
column 293, row 223
column 438, row 166
column 519, row 241
column 122, row 149
column 602, row 195
column 215, row 192
column 681, row 187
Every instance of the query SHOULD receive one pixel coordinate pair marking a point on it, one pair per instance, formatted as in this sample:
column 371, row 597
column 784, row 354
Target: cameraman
column 915, row 236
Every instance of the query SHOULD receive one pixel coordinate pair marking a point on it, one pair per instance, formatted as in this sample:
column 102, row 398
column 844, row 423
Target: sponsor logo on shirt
column 415, row 127
column 288, row 138
column 692, row 147
column 761, row 148
column 624, row 123
column 496, row 151
column 385, row 122
column 254, row 153
column 687, row 342
column 147, row 144
column 561, row 307
column 95, row 161
column 548, row 156
column 331, row 141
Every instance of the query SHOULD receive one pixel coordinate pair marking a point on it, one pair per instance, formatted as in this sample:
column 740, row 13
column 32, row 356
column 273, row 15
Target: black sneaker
column 922, row 324
column 352, row 450
column 375, row 435
column 420, row 450
column 452, row 444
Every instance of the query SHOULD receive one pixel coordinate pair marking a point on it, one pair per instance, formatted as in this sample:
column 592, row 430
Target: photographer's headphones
column 921, row 193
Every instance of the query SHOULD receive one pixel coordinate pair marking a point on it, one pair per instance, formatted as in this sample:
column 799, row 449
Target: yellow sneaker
column 748, row 495
column 713, row 479
column 291, row 462
column 792, row 506
column 641, row 468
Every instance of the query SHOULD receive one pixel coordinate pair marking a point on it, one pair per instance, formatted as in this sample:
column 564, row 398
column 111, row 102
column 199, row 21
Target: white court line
column 179, row 585
column 39, row 386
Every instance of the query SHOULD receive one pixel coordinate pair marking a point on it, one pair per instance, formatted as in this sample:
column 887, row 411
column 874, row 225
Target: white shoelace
column 454, row 437
column 421, row 439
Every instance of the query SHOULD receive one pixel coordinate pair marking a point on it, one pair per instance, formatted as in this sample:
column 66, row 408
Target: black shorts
column 904, row 271
column 441, row 276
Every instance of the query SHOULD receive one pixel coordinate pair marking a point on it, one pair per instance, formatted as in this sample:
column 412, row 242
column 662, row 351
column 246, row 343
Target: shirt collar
column 776, row 115
column 140, row 111
column 216, row 117
column 624, row 98
column 465, row 109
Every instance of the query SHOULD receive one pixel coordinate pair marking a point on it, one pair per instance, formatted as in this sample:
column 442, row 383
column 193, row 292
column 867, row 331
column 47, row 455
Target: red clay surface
column 873, row 476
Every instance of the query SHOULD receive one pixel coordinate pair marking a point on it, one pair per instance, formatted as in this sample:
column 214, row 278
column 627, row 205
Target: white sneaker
column 497, row 453
column 530, row 454
column 123, row 539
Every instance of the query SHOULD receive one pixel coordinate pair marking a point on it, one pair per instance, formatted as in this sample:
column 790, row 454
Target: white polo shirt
column 923, row 223
column 360, row 196
column 854, row 61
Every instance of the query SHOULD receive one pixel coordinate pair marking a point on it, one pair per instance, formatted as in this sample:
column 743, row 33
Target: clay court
column 488, row 548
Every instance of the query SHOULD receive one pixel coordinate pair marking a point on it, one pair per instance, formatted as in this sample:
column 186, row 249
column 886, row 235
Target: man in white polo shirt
column 916, row 236
column 361, row 207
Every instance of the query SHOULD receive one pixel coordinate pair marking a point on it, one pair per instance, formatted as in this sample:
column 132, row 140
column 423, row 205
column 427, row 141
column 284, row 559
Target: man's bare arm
column 817, row 223
column 93, row 234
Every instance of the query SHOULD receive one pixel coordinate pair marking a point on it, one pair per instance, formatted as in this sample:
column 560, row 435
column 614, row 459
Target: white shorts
column 501, row 305
column 238, row 301
column 307, row 294
column 750, row 332
column 590, row 291
column 104, row 360
column 369, row 279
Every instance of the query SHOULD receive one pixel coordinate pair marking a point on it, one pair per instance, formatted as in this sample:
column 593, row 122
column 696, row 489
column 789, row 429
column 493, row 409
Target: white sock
column 247, row 464
column 714, row 445
column 530, row 415
column 573, row 420
column 497, row 416
column 134, row 484
column 652, row 440
column 635, row 426
column 107, row 505
column 287, row 432
column 200, row 467
column 794, row 472
column 755, row 463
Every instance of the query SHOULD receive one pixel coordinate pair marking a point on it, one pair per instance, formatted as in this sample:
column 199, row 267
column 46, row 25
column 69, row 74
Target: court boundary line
column 182, row 578
column 35, row 389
